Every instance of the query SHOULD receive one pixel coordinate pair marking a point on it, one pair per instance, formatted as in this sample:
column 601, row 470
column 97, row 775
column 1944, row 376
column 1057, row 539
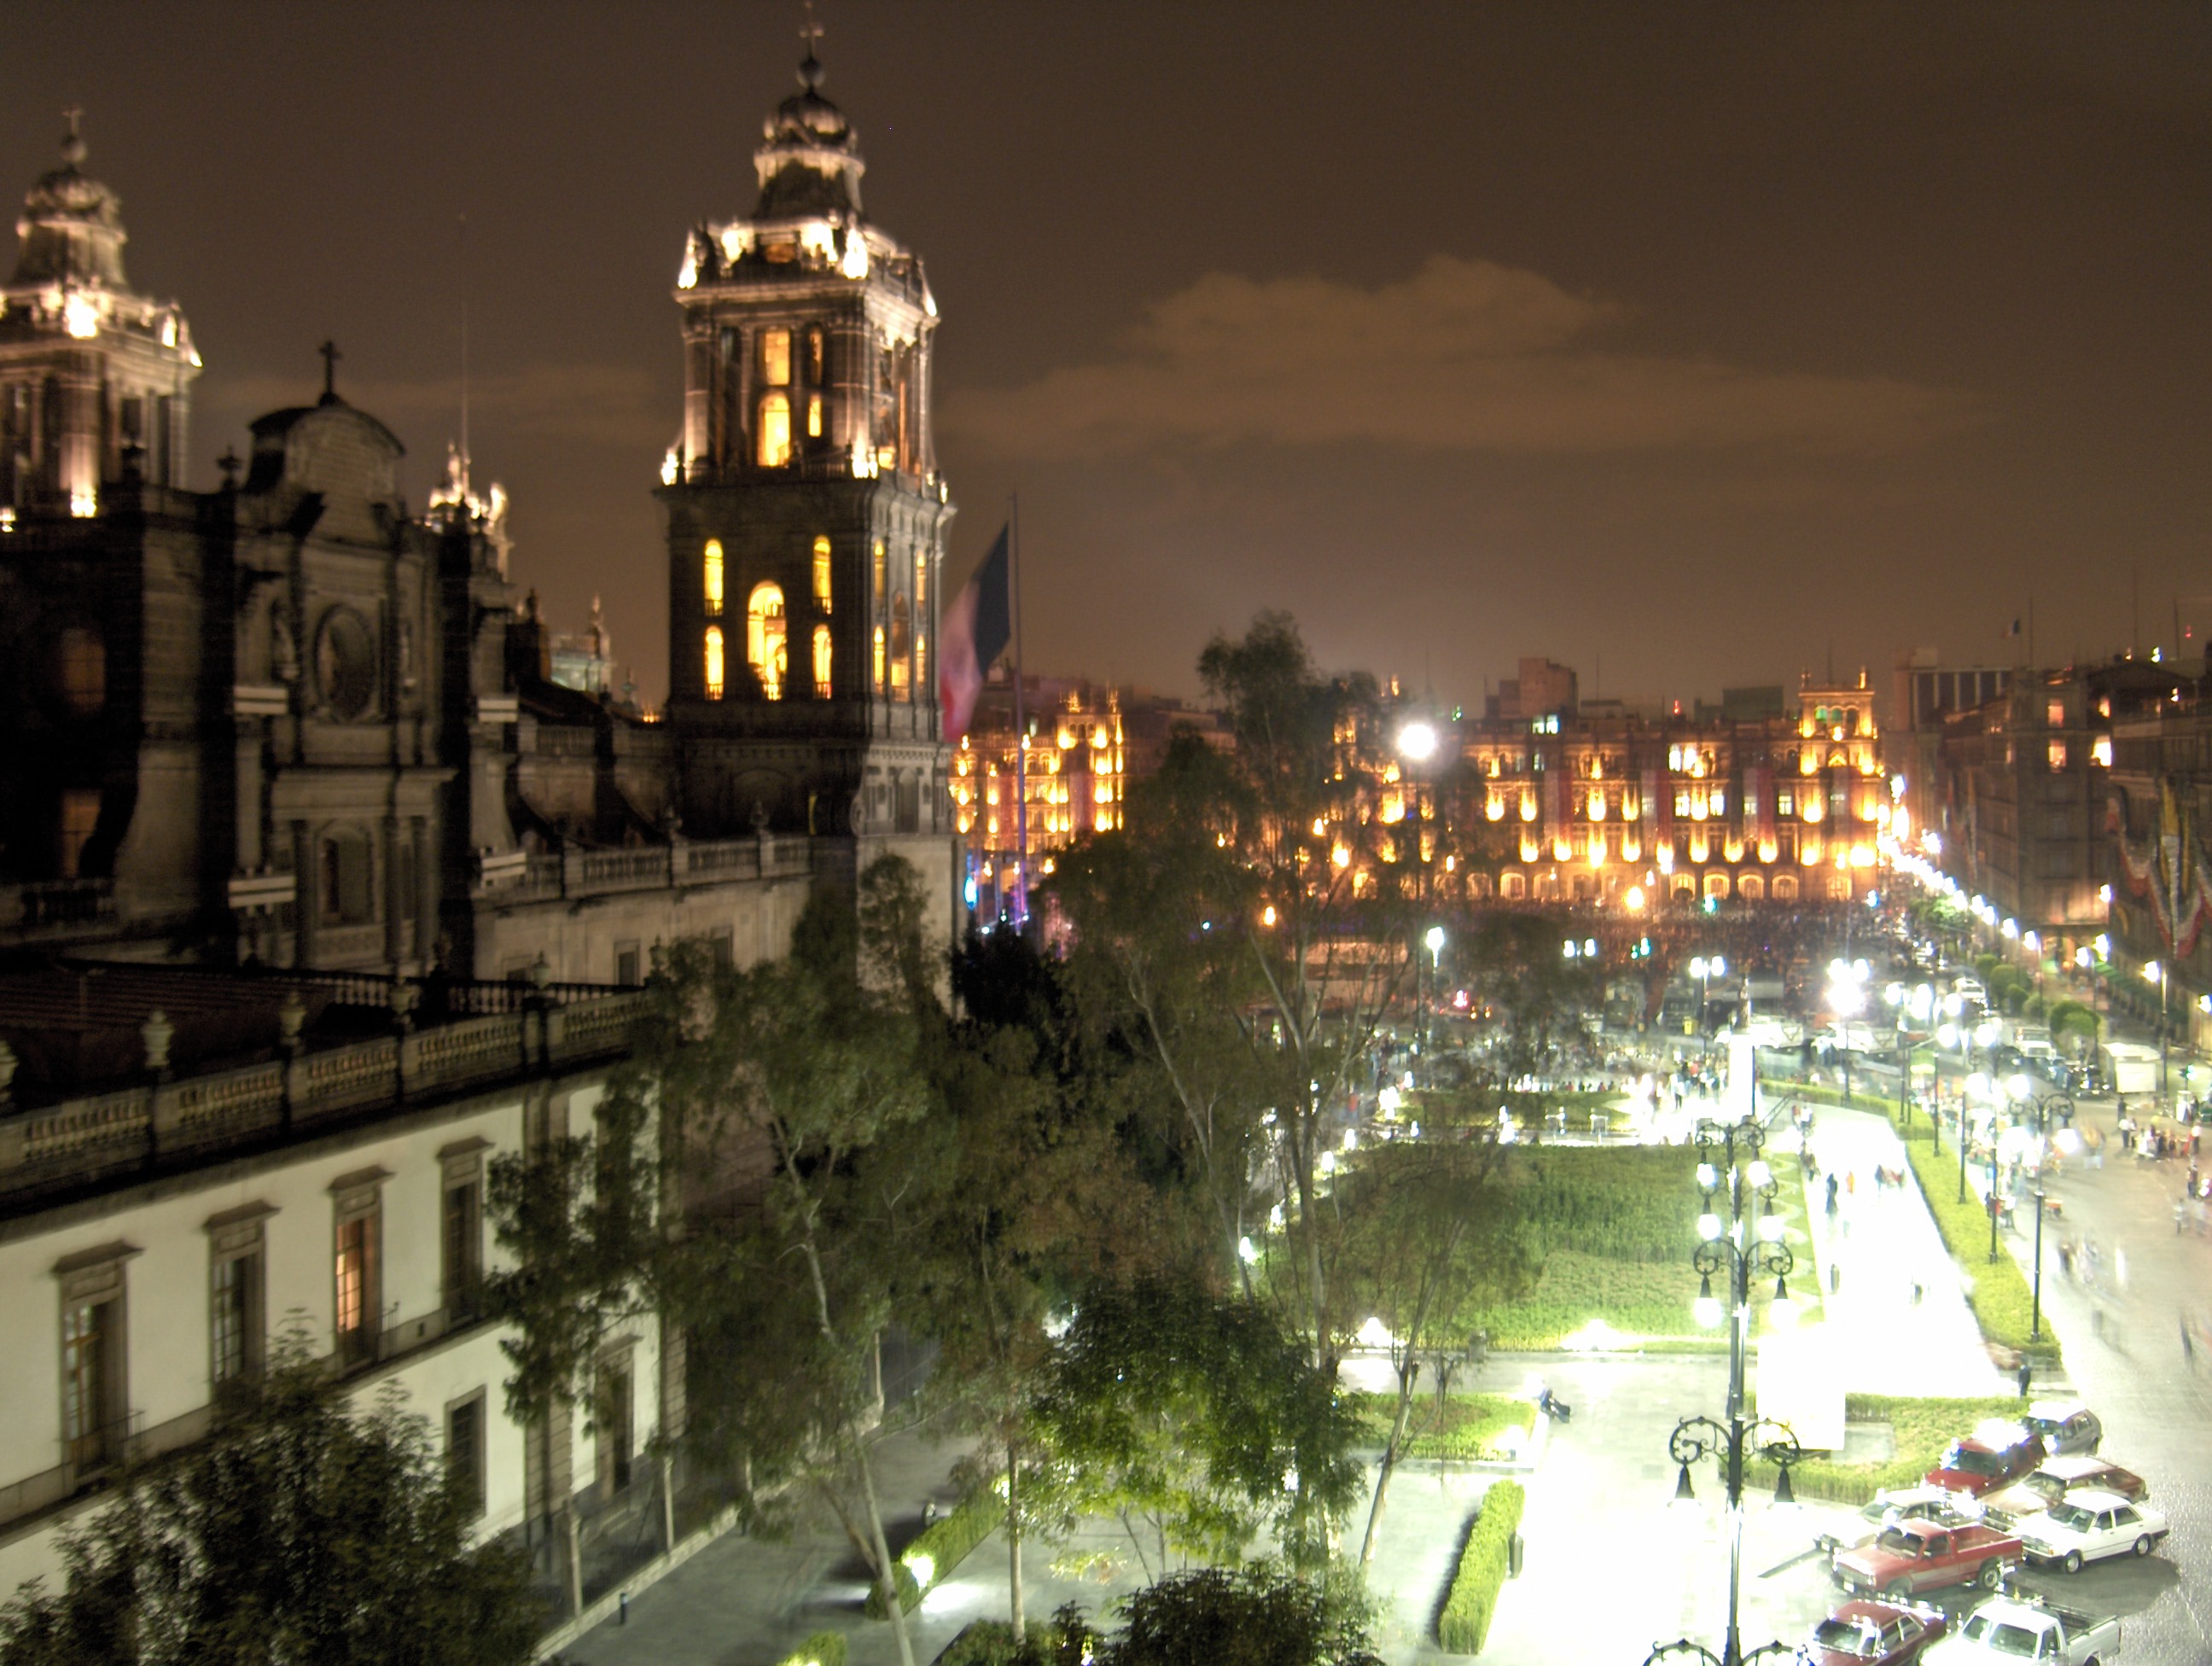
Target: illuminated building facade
column 807, row 519
column 1610, row 808
column 1072, row 760
column 96, row 379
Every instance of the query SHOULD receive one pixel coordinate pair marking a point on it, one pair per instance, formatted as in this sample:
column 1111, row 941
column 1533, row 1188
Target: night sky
column 1686, row 346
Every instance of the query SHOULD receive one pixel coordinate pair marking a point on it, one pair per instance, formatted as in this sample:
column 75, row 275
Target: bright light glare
column 1709, row 1227
column 1708, row 1310
column 1418, row 740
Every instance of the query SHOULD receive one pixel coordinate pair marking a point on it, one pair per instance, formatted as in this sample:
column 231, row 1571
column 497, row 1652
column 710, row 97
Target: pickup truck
column 2010, row 1628
column 1908, row 1557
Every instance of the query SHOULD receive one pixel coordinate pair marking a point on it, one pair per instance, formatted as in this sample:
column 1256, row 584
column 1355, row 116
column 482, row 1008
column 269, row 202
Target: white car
column 2086, row 1525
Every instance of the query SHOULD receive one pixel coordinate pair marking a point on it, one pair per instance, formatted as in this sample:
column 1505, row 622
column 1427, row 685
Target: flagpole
column 1021, row 728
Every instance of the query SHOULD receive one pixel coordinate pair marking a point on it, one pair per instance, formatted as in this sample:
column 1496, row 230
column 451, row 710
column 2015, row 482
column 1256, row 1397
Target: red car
column 1987, row 1460
column 1874, row 1634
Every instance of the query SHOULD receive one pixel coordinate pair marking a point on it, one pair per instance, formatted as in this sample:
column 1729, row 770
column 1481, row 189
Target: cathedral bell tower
column 96, row 379
column 806, row 516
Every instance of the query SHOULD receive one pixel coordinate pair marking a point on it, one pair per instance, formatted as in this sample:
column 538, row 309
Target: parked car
column 2054, row 1479
column 1908, row 1558
column 1874, row 1634
column 1994, row 1455
column 2088, row 1527
column 2067, row 1427
column 1903, row 1503
column 2028, row 1628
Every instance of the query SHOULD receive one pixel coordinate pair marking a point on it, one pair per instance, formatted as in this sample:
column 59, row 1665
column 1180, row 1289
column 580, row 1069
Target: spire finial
column 72, row 141
column 330, row 356
column 810, row 67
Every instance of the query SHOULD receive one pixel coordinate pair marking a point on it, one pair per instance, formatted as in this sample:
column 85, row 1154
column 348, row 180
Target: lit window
column 901, row 649
column 710, row 577
column 822, row 662
column 775, row 357
column 2101, row 752
column 2056, row 715
column 822, row 573
column 814, row 415
column 764, row 646
column 775, row 431
column 883, row 575
column 81, row 669
column 879, row 658
column 814, row 353
column 921, row 583
column 714, row 662
column 2058, row 755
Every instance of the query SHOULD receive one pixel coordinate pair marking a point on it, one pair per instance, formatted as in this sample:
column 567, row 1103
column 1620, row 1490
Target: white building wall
column 166, row 1319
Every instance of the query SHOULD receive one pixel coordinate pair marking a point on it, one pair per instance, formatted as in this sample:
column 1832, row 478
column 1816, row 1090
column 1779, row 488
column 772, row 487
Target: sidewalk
column 1882, row 1243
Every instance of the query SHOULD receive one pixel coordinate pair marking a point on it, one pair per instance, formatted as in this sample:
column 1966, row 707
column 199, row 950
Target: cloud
column 600, row 404
column 1464, row 355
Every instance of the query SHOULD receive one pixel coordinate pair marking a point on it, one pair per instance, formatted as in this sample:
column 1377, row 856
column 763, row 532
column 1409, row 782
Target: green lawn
column 1467, row 1426
column 1921, row 1429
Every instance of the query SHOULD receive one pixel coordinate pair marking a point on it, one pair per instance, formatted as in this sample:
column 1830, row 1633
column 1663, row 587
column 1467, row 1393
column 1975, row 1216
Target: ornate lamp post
column 1743, row 1243
column 1685, row 1649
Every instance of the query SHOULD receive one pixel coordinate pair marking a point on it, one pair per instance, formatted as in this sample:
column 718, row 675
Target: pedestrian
column 1831, row 1194
column 2026, row 1371
column 2188, row 1346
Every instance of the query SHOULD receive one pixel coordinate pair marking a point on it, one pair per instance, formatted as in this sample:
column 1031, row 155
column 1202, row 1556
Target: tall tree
column 1254, row 928
column 302, row 1530
column 781, row 1077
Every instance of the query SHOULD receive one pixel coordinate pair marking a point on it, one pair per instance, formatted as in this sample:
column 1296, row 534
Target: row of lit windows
column 711, row 579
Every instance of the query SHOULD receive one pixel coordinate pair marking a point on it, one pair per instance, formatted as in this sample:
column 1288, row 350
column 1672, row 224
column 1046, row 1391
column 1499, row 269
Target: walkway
column 1882, row 1244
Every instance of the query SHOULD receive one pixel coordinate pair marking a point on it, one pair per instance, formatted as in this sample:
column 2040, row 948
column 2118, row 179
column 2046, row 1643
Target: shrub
column 946, row 1541
column 822, row 1649
column 1464, row 1625
column 991, row 1643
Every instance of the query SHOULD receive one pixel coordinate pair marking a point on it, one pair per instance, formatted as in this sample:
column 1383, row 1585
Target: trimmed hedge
column 947, row 1541
column 1920, row 1430
column 1464, row 1625
column 822, row 1649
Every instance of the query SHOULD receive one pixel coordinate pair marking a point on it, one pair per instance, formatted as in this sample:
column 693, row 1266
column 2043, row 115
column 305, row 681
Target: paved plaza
column 1613, row 1564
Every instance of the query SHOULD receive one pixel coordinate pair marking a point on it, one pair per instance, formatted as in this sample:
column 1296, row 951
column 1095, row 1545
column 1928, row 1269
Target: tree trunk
column 1406, row 1373
column 887, row 1570
column 1014, row 1544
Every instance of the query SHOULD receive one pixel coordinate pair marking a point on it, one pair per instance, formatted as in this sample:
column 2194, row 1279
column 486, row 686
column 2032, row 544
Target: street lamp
column 1434, row 939
column 1683, row 1647
column 1705, row 970
column 2154, row 973
column 1733, row 1169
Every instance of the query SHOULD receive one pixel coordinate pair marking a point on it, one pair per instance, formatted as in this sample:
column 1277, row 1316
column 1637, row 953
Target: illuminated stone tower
column 96, row 379
column 805, row 516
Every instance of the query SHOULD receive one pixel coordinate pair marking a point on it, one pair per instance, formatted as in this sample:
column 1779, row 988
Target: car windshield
column 1971, row 1461
column 2000, row 1639
column 2073, row 1516
column 1897, row 1539
column 1845, row 1637
column 2047, row 1487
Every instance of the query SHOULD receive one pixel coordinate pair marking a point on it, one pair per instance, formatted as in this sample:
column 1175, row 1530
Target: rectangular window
column 814, row 354
column 814, row 415
column 775, row 357
column 465, row 1453
column 822, row 573
column 921, row 583
column 80, row 818
column 627, row 965
column 883, row 572
column 614, row 1431
column 88, row 1432
column 710, row 577
column 358, row 1267
column 2054, row 715
column 1785, row 801
column 462, row 1262
column 2058, row 755
column 235, row 1317
column 347, row 897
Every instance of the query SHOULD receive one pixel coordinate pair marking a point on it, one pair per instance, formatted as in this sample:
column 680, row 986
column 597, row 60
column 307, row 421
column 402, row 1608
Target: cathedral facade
column 290, row 723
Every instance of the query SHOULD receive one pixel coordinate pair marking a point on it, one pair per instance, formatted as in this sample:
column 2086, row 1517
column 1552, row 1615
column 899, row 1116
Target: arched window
column 902, row 651
column 814, row 415
column 920, row 660
column 774, row 430
column 921, row 583
column 1717, row 885
column 1786, row 887
column 822, row 572
column 879, row 659
column 1513, row 887
column 881, row 581
column 764, row 648
column 823, row 660
column 1751, row 888
column 714, row 662
column 710, row 577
